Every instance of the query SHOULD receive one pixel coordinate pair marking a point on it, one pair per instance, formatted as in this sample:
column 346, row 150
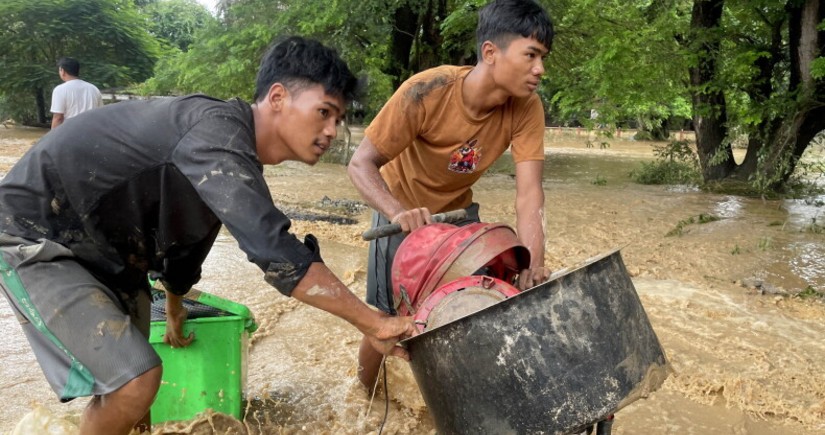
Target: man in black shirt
column 143, row 187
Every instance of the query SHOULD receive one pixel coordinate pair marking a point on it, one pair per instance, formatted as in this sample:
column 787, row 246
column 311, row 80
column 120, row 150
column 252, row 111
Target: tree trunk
column 428, row 47
column 401, row 41
column 709, row 108
column 41, row 105
column 760, row 93
column 801, row 125
column 661, row 132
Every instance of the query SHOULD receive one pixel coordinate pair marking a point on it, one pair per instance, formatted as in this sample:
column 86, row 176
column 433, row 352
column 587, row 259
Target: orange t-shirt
column 437, row 150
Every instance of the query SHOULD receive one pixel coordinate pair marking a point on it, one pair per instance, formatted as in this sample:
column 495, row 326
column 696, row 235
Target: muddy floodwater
column 748, row 356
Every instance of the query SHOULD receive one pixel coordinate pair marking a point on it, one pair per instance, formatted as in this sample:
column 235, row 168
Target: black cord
column 386, row 395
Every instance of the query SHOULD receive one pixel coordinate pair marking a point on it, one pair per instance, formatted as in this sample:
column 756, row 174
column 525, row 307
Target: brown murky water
column 745, row 361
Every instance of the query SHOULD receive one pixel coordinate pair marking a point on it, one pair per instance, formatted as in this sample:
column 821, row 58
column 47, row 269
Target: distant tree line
column 747, row 71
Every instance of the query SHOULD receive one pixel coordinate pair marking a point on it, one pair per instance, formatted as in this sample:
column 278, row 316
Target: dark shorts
column 87, row 339
column 381, row 255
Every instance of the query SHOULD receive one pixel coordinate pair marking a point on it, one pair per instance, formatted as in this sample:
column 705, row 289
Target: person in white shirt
column 74, row 96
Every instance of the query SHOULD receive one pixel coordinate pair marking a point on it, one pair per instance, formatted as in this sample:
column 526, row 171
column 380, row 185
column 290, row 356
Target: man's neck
column 480, row 92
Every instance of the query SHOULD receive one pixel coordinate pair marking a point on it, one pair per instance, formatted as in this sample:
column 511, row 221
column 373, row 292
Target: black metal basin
column 552, row 359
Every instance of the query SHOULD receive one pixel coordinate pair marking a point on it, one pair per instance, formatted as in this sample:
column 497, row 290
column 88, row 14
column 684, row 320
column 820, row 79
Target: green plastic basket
column 210, row 373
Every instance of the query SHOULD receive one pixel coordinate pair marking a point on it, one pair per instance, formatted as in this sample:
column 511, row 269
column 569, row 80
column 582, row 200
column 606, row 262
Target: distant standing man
column 440, row 132
column 74, row 96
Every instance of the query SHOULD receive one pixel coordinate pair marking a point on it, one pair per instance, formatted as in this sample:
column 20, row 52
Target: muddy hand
column 413, row 219
column 390, row 331
column 529, row 278
column 175, row 317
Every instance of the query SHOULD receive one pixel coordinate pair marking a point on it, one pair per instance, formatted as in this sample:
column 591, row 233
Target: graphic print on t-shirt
column 465, row 158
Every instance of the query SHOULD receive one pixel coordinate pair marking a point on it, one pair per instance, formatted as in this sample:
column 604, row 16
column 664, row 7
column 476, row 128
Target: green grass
column 702, row 218
column 666, row 172
column 676, row 163
column 810, row 293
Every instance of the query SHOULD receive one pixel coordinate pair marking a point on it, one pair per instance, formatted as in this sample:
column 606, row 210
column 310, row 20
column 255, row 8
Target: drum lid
column 461, row 298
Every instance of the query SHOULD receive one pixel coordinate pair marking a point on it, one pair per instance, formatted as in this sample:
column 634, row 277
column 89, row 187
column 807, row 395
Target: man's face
column 520, row 65
column 309, row 120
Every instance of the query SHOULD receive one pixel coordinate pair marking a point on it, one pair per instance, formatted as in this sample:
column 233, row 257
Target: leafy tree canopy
column 107, row 37
column 177, row 21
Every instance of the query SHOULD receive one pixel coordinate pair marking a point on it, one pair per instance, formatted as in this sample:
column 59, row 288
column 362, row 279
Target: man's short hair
column 298, row 63
column 71, row 66
column 501, row 21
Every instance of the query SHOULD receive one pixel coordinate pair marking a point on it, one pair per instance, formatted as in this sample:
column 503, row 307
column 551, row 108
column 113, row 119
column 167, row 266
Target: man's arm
column 57, row 119
column 530, row 220
column 363, row 172
column 175, row 317
column 319, row 288
column 58, row 107
column 322, row 289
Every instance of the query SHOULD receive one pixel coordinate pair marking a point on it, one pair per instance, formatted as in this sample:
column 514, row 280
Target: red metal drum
column 460, row 298
column 438, row 254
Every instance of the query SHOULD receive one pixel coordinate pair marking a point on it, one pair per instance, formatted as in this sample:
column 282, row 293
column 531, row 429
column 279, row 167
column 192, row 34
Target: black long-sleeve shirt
column 145, row 185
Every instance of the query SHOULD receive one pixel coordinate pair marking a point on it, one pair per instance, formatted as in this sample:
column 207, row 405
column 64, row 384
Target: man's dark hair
column 71, row 66
column 298, row 63
column 501, row 21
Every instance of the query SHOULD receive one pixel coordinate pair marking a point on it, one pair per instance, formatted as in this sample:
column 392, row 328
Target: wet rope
column 383, row 369
column 386, row 395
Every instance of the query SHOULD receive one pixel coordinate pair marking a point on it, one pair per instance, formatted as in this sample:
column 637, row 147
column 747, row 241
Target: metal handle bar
column 390, row 229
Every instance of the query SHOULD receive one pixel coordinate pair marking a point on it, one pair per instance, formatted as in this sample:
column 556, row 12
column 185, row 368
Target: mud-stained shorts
column 381, row 256
column 87, row 339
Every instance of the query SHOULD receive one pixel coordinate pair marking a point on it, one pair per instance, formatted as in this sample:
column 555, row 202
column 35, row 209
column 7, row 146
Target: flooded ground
column 748, row 358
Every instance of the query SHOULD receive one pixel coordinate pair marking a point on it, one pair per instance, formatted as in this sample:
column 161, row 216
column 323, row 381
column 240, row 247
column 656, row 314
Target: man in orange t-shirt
column 440, row 132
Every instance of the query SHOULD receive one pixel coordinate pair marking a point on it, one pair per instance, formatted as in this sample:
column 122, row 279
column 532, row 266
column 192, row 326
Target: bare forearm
column 375, row 191
column 322, row 289
column 176, row 316
column 531, row 227
column 530, row 209
column 57, row 119
column 363, row 171
column 174, row 303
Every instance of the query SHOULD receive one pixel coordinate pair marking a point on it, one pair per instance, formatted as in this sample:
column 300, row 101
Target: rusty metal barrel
column 553, row 359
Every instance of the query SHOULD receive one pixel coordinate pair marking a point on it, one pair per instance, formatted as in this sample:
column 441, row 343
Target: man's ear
column 488, row 51
column 277, row 95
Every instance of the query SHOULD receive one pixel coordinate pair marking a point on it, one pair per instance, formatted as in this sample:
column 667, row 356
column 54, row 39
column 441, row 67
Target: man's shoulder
column 203, row 106
column 435, row 79
column 75, row 85
column 90, row 86
column 203, row 101
column 443, row 74
column 61, row 87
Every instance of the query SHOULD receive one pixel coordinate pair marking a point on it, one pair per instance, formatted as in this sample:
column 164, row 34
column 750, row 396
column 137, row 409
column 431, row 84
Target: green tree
column 108, row 37
column 620, row 58
column 753, row 72
column 177, row 21
column 382, row 41
column 738, row 69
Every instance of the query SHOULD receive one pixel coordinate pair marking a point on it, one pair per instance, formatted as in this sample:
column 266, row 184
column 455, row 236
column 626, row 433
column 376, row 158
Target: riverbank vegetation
column 737, row 73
